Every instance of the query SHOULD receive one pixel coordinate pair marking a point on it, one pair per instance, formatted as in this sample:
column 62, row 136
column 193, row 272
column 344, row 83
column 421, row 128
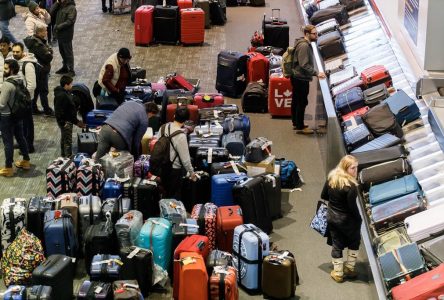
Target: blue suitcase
column 254, row 245
column 349, row 101
column 97, row 117
column 239, row 122
column 141, row 92
column 78, row 158
column 234, row 143
column 105, row 268
column 15, row 292
column 231, row 73
column 357, row 137
column 112, row 189
column 403, row 107
column 381, row 142
column 106, row 103
column 393, row 189
column 222, row 188
column 156, row 236
column 59, row 232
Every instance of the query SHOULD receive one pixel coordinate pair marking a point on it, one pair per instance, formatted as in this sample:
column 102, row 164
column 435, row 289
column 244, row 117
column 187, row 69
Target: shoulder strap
column 170, row 137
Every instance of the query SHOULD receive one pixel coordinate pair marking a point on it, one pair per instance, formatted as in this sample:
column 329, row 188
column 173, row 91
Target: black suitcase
column 106, row 103
column 250, row 196
column 146, row 196
column 196, row 192
column 255, row 98
column 331, row 44
column 339, row 12
column 137, row 265
column 276, row 30
column 273, row 194
column 352, row 4
column 258, row 150
column 87, row 142
column 37, row 207
column 137, row 73
column 99, row 238
column 95, row 290
column 39, row 292
column 257, row 2
column 205, row 156
column 226, row 168
column 217, row 13
column 374, row 157
column 166, row 25
column 231, row 73
column 196, row 143
column 58, row 273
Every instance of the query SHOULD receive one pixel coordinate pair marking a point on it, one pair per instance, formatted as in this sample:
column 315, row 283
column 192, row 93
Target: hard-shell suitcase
column 193, row 277
column 137, row 265
column 379, row 119
column 393, row 189
column 118, row 164
column 345, row 86
column 197, row 142
column 205, row 215
column 383, row 141
column 327, row 3
column 327, row 26
column 112, row 188
column 135, row 4
column 279, row 275
column 106, row 103
column 90, row 178
column 95, row 290
column 184, row 4
column 356, row 113
column 89, row 214
column 172, row 209
column 356, row 137
column 349, row 101
column 206, row 100
column 178, row 82
column 338, row 12
column 128, row 228
column 156, row 236
column 434, row 249
column 193, row 110
column 205, row 156
column 219, row 258
column 15, row 292
column 145, row 196
column 126, row 290
column 37, row 207
column 60, row 177
column 222, row 186
column 331, row 44
column 257, row 67
column 58, row 273
column 254, row 98
column 165, row 22
column 376, row 75
column 258, row 150
column 272, row 190
column 231, row 78
column 217, row 12
column 237, row 122
column 60, row 237
column 142, row 166
column 403, row 107
column 276, row 30
column 394, row 212
column 250, row 246
column 228, row 217
column 116, row 207
column 78, row 157
column 192, row 26
column 352, row 123
column 105, row 267
column 342, row 76
column 205, row 6
column 425, row 224
column 384, row 172
column 280, row 93
column 234, row 142
column 97, row 117
column 223, row 283
column 87, row 142
column 70, row 203
column 99, row 238
column 249, row 194
column 334, row 66
column 374, row 95
column 139, row 92
column 218, row 112
column 143, row 25
column 377, row 156
column 352, row 4
column 39, row 292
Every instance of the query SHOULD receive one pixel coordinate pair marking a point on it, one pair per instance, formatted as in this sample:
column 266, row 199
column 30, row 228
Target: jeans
column 12, row 128
column 4, row 28
column 66, row 139
column 299, row 101
column 42, row 91
column 28, row 130
column 65, row 49
column 109, row 138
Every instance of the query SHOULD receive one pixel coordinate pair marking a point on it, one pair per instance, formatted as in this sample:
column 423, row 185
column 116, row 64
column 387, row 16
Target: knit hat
column 124, row 53
column 32, row 6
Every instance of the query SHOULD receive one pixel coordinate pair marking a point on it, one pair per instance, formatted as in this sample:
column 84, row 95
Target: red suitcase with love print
column 355, row 113
column 228, row 217
column 376, row 75
column 205, row 214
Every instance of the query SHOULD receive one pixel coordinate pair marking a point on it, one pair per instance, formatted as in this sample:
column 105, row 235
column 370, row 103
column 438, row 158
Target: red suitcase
column 429, row 285
column 143, row 25
column 207, row 100
column 178, row 82
column 358, row 112
column 193, row 277
column 228, row 217
column 185, row 4
column 194, row 112
column 192, row 26
column 205, row 215
column 198, row 244
column 257, row 67
column 280, row 93
column 376, row 75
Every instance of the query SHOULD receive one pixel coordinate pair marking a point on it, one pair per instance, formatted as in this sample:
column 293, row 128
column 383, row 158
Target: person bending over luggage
column 153, row 116
column 66, row 114
column 343, row 218
column 124, row 129
column 115, row 75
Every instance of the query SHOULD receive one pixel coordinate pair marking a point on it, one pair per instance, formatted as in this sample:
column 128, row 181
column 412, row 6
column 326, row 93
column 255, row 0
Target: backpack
column 37, row 68
column 289, row 173
column 288, row 62
column 160, row 163
column 22, row 100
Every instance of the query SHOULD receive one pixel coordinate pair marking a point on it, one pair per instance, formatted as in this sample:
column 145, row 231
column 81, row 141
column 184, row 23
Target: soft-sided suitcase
column 217, row 12
column 258, row 150
column 58, row 273
column 172, row 210
column 342, row 76
column 231, row 78
column 143, row 25
column 356, row 113
column 280, row 93
column 250, row 246
column 228, row 217
column 379, row 119
column 105, row 267
column 15, row 292
column 60, row 177
column 331, row 44
column 257, row 67
column 126, row 290
column 377, row 156
column 99, row 238
column 97, row 117
column 205, row 6
column 205, row 100
column 193, row 277
column 142, row 166
column 249, row 194
column 272, row 190
column 196, row 192
column 383, row 141
column 156, row 236
column 349, row 101
column 111, row 188
column 60, row 237
column 237, row 122
column 193, row 110
column 205, row 156
column 90, row 178
column 276, row 30
column 279, row 275
column 254, row 98
column 393, row 189
column 425, row 224
column 95, row 290
column 137, row 265
column 374, row 95
column 345, row 86
column 37, row 207
column 205, row 215
column 128, row 228
column 352, row 4
column 327, row 26
column 384, row 172
column 403, row 107
column 39, row 292
column 376, row 75
column 106, row 103
column 338, row 12
column 234, row 142
column 87, row 142
column 119, row 163
column 357, row 136
column 192, row 26
column 166, row 27
column 145, row 196
column 223, row 283
column 89, row 214
column 222, row 186
column 218, row 112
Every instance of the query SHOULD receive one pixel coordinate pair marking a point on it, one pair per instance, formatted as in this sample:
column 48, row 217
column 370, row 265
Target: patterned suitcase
column 383, row 141
column 143, row 25
column 205, row 215
column 90, row 178
column 357, row 137
column 376, row 75
column 37, row 207
column 280, row 93
column 60, row 177
column 393, row 189
column 223, row 283
column 206, row 100
column 142, row 166
column 105, row 267
column 222, row 188
column 193, row 277
column 60, row 236
column 128, row 228
column 12, row 219
column 228, row 218
column 172, row 209
column 118, row 164
column 96, row 289
column 192, row 26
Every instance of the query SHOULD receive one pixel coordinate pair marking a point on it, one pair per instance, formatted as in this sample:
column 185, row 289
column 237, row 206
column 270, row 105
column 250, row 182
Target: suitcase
column 58, row 273
column 276, row 30
column 334, row 66
column 39, row 292
column 206, row 156
column 345, row 86
column 196, row 192
column 234, row 143
column 434, row 249
column 165, row 22
column 37, row 207
column 173, row 97
column 270, row 50
column 352, row 123
column 257, row 67
column 258, row 150
column 331, row 44
column 330, row 25
column 79, row 157
column 143, row 25
column 205, row 6
column 119, row 163
column 192, row 25
column 373, row 96
column 142, row 166
column 274, row 62
column 429, row 285
column 280, row 93
column 356, row 137
column 99, row 238
column 193, row 110
column 137, row 265
column 60, row 177
column 327, row 3
column 128, row 228
column 145, row 196
column 349, row 101
column 87, row 142
column 394, row 212
column 426, row 224
column 115, row 207
column 272, row 190
column 384, row 172
column 172, row 210
column 352, row 4
column 393, row 189
column 105, row 267
column 184, row 4
column 383, row 141
column 196, row 244
column 138, row 73
column 176, row 81
column 218, row 112
column 338, row 12
column 222, row 186
column 90, row 178
column 342, row 76
column 228, row 217
column 403, row 107
column 239, row 122
column 70, row 203
column 279, row 275
column 255, row 245
column 206, row 100
column 254, row 98
column 59, row 233
column 391, row 240
column 196, row 143
column 223, row 283
column 218, row 258
column 180, row 231
column 377, row 156
column 205, row 215
column 227, row 167
column 121, row 7
column 112, row 189
column 249, row 194
column 126, row 290
column 15, row 292
column 106, row 103
column 217, row 12
column 95, row 290
column 139, row 92
column 380, row 120
column 97, row 117
column 231, row 73
column 376, row 75
column 193, row 277
column 156, row 236
column 356, row 113
column 89, row 213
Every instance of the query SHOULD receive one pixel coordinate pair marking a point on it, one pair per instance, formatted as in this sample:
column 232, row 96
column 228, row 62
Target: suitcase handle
column 273, row 17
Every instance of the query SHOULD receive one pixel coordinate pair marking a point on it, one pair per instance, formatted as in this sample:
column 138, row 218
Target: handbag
column 319, row 221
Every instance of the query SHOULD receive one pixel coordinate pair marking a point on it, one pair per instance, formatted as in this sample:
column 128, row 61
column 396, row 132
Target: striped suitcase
column 383, row 141
column 90, row 178
column 60, row 177
column 356, row 137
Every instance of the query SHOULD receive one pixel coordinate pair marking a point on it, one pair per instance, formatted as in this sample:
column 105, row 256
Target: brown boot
column 349, row 266
column 7, row 172
column 23, row 164
column 338, row 270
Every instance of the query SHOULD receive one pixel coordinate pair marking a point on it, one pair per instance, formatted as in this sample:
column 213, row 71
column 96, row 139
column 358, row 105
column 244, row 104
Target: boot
column 349, row 267
column 7, row 172
column 23, row 164
column 338, row 270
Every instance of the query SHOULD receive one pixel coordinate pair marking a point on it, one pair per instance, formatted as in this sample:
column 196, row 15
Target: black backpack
column 22, row 100
column 160, row 163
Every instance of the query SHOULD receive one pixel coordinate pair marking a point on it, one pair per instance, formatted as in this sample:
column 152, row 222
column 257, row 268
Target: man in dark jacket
column 66, row 114
column 7, row 12
column 38, row 45
column 65, row 14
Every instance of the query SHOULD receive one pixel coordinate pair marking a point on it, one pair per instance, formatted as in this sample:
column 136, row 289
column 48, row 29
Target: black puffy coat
column 7, row 10
column 65, row 15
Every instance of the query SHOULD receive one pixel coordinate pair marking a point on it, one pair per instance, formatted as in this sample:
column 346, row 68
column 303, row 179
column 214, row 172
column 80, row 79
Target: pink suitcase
column 208, row 100
column 192, row 26
column 143, row 25
column 280, row 93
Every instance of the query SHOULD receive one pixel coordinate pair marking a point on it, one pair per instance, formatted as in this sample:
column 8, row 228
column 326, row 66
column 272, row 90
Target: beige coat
column 32, row 21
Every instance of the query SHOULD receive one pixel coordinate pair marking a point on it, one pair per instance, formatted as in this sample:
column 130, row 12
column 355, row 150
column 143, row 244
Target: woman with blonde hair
column 343, row 218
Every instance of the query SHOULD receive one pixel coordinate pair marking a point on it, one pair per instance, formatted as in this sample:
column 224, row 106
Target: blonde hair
column 339, row 177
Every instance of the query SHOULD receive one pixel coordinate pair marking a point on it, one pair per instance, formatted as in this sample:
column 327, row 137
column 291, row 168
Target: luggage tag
column 210, row 155
column 189, row 225
column 133, row 253
column 98, row 290
column 149, row 182
column 235, row 168
column 220, row 270
column 188, row 260
column 216, row 113
column 158, row 223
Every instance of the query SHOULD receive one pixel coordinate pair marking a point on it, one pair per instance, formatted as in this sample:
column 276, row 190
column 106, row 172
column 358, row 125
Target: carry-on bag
column 374, row 95
column 89, row 214
column 289, row 173
column 112, row 188
column 276, row 30
column 193, row 277
column 217, row 12
column 272, row 190
column 59, row 232
column 403, row 107
column 95, row 290
column 379, row 119
column 223, row 283
column 192, row 26
column 384, row 172
column 182, row 230
column 222, row 187
column 15, row 292
column 383, row 141
column 331, row 45
column 425, row 224
column 37, row 207
column 87, row 142
column 172, row 209
column 90, row 178
column 118, row 163
column 231, row 77
column 115, row 207
column 228, row 217
column 145, row 196
column 165, row 22
column 234, row 143
column 137, row 265
column 205, row 6
column 70, row 203
column 98, row 239
column 142, row 166
column 143, row 25
column 338, row 12
column 279, row 275
column 126, row 290
column 342, row 76
column 105, row 267
column 205, row 215
column 206, row 100
column 349, row 101
column 393, row 189
column 254, row 98
column 128, row 228
column 369, row 158
column 280, row 93
column 39, row 292
column 106, row 103
column 356, row 137
column 327, row 26
column 258, row 150
column 96, row 117
column 376, row 75
column 205, row 156
column 60, row 177
column 257, row 67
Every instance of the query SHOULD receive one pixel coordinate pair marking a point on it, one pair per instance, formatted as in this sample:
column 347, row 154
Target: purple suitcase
column 142, row 166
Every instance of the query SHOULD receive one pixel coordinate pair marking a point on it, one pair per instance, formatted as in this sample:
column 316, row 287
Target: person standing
column 343, row 218
column 302, row 73
column 5, row 53
column 7, row 12
column 36, row 16
column 65, row 14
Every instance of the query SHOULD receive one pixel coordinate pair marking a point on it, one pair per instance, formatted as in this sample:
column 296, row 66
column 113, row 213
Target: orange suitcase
column 143, row 25
column 193, row 277
column 223, row 284
column 228, row 217
column 192, row 26
column 280, row 93
column 376, row 75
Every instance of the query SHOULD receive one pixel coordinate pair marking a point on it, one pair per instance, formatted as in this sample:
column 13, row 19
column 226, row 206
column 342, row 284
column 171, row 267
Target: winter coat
column 28, row 74
column 2, row 63
column 304, row 61
column 41, row 50
column 65, row 17
column 64, row 107
column 32, row 21
column 7, row 94
column 7, row 10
